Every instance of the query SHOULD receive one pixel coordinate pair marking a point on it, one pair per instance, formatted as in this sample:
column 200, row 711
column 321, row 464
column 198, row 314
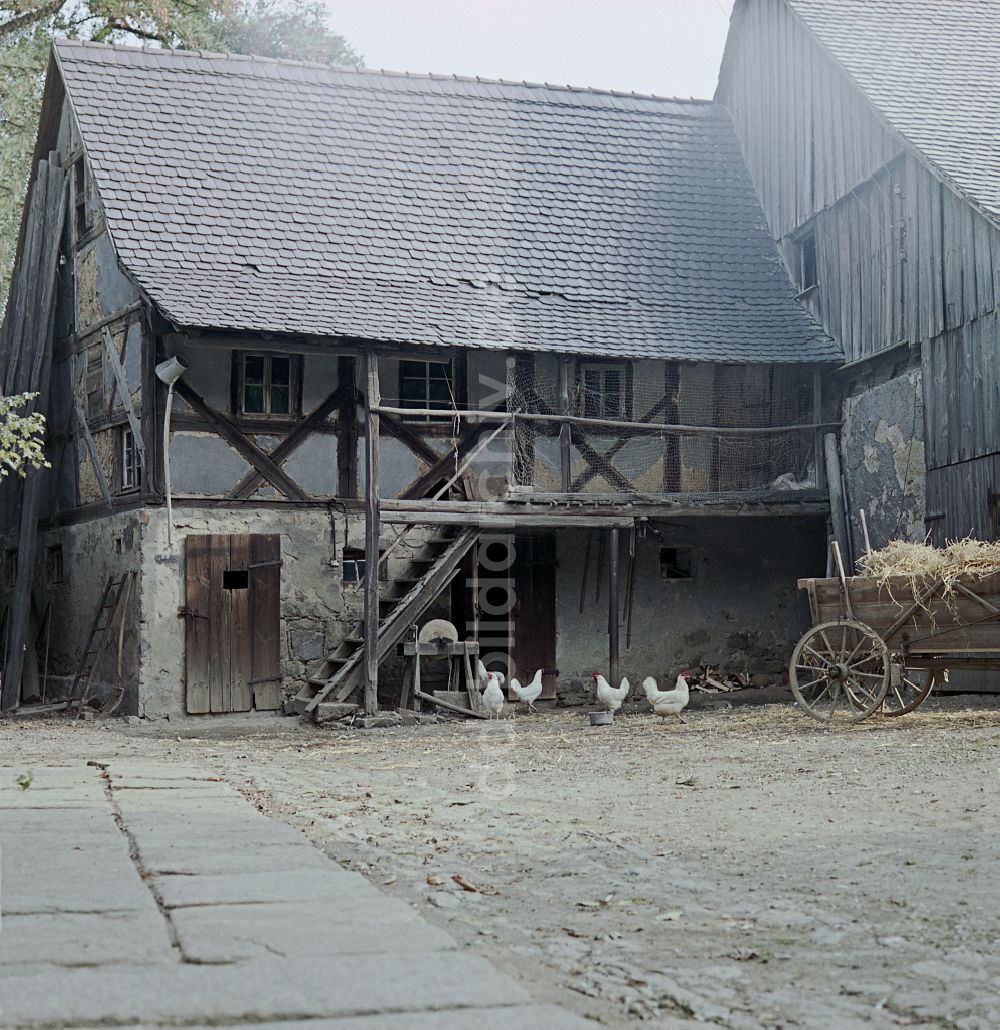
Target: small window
column 54, row 564
column 353, row 565
column 130, row 470
column 425, row 384
column 267, row 384
column 84, row 219
column 993, row 528
column 676, row 562
column 808, row 270
column 604, row 391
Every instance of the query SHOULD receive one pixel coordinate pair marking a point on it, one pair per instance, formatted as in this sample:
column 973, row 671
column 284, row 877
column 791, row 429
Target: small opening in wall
column 353, row 565
column 235, row 579
column 54, row 563
column 676, row 562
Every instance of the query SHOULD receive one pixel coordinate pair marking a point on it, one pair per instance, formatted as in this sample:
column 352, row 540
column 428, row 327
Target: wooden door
column 233, row 613
column 533, row 618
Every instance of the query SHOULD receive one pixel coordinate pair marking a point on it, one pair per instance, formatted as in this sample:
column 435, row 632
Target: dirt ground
column 749, row 869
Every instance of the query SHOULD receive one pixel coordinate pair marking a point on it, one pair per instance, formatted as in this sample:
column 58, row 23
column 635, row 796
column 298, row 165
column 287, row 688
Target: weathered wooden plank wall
column 962, row 392
column 808, row 134
column 900, row 259
column 959, row 499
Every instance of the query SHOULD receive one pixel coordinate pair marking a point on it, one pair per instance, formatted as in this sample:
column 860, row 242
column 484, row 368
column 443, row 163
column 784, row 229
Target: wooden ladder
column 99, row 636
column 411, row 594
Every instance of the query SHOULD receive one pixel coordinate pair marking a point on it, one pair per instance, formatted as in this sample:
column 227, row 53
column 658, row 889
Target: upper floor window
column 604, row 389
column 83, row 212
column 425, row 384
column 129, row 466
column 267, row 384
column 808, row 268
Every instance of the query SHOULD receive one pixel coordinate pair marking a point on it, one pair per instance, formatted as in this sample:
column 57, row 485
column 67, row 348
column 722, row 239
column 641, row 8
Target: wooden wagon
column 883, row 645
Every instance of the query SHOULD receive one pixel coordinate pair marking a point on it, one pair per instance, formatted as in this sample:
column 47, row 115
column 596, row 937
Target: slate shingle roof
column 250, row 194
column 932, row 67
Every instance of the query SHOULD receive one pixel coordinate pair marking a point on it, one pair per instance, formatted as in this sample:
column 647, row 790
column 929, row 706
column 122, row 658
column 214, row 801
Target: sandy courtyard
column 750, row 869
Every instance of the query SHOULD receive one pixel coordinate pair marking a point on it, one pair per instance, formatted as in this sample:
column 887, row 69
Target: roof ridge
column 381, row 72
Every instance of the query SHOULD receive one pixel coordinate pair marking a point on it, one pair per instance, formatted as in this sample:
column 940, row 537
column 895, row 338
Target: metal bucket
column 602, row 718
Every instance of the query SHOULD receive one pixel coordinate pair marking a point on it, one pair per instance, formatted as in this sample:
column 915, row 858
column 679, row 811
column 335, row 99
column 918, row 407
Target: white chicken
column 608, row 696
column 668, row 702
column 529, row 694
column 482, row 675
column 493, row 698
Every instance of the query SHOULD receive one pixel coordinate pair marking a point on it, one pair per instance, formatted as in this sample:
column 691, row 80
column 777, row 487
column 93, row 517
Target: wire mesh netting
column 696, row 429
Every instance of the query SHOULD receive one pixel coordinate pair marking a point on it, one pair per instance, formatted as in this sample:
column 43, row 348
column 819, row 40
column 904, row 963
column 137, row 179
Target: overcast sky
column 669, row 47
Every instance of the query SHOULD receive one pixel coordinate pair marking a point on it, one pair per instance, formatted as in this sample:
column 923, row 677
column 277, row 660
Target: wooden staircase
column 406, row 598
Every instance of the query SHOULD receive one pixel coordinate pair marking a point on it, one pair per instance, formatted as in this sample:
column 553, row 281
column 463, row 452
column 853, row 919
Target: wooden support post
column 838, row 510
column 817, row 419
column 613, row 607
column 372, row 400
column 565, row 430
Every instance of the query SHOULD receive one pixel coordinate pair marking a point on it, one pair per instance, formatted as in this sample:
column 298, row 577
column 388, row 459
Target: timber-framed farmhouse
column 326, row 353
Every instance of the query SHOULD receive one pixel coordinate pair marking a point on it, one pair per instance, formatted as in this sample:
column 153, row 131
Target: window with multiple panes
column 425, row 384
column 267, row 384
column 604, row 391
column 129, row 467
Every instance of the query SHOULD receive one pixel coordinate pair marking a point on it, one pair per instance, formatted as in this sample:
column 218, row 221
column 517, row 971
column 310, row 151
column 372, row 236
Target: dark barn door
column 533, row 624
column 233, row 615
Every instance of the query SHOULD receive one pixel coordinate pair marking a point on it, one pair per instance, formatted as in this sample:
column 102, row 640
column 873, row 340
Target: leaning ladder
column 100, row 634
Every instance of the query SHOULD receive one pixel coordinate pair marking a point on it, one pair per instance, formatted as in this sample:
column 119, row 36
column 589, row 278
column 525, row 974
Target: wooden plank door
column 534, row 614
column 233, row 614
column 265, row 600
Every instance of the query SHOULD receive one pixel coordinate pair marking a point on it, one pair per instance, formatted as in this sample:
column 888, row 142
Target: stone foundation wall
column 739, row 611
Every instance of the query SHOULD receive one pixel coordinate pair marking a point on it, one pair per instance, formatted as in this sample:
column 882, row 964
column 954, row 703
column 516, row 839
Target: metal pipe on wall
column 169, row 372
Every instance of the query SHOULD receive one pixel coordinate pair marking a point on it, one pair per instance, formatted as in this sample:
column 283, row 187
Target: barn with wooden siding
column 871, row 129
column 522, row 356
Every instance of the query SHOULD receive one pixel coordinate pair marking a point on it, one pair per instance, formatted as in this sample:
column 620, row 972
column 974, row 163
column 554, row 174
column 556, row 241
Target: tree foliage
column 21, row 436
column 272, row 28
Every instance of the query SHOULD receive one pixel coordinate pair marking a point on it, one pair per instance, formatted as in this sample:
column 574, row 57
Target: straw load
column 970, row 558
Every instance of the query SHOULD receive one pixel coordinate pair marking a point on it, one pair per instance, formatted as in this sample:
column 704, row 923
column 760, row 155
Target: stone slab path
column 142, row 894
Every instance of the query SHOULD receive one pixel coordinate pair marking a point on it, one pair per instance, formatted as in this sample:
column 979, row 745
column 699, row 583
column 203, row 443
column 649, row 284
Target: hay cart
column 883, row 644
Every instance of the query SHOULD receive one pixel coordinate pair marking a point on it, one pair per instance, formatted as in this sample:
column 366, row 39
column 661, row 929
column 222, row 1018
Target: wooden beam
column 88, row 439
column 249, row 483
column 654, row 429
column 553, row 520
column 372, row 531
column 630, row 505
column 606, row 471
column 443, row 464
column 613, row 607
column 402, row 432
column 241, row 443
column 111, row 352
column 347, row 430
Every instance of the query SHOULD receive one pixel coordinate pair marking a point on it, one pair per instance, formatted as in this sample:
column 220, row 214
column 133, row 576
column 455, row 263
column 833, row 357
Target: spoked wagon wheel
column 840, row 671
column 908, row 689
